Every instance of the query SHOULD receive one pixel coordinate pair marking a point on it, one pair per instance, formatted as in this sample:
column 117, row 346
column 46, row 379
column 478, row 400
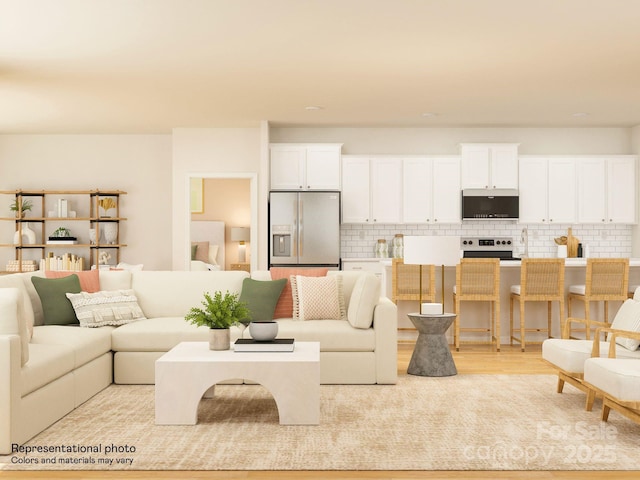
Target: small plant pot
column 263, row 331
column 219, row 339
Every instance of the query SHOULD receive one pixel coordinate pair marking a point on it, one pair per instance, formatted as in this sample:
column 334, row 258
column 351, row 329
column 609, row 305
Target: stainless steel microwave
column 490, row 204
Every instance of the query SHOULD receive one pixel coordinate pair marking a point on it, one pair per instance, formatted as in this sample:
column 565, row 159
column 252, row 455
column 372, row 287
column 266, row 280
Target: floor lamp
column 432, row 250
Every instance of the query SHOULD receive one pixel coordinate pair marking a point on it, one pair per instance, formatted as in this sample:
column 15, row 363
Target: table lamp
column 241, row 235
column 432, row 250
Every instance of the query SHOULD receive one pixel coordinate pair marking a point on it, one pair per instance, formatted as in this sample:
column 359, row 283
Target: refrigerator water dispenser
column 282, row 245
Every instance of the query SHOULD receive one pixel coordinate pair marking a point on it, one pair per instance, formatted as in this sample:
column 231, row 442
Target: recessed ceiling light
column 312, row 108
column 580, row 114
column 429, row 114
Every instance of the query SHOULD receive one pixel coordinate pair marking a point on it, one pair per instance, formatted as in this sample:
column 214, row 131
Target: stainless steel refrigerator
column 304, row 229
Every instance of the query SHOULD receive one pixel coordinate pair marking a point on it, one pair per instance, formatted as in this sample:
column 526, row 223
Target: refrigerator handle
column 300, row 225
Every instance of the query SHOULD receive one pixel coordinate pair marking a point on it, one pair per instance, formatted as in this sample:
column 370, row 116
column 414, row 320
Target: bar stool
column 607, row 279
column 541, row 280
column 478, row 280
column 405, row 282
column 632, row 290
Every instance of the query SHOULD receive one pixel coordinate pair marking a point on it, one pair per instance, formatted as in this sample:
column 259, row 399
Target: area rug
column 465, row 422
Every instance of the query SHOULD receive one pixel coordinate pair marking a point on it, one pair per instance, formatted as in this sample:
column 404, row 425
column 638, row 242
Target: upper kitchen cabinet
column 371, row 189
column 606, row 189
column 489, row 165
column 431, row 189
column 547, row 190
column 305, row 166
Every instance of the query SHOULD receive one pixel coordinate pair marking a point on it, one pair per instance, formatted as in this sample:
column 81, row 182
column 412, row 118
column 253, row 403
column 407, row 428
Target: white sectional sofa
column 46, row 374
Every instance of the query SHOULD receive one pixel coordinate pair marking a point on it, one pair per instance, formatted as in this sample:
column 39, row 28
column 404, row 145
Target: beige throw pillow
column 364, row 298
column 317, row 298
column 98, row 309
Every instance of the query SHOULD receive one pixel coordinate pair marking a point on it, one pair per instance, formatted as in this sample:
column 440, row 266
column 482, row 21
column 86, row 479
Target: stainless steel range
column 487, row 247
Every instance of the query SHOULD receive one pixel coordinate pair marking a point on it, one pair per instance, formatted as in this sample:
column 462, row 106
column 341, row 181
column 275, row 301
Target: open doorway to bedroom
column 222, row 221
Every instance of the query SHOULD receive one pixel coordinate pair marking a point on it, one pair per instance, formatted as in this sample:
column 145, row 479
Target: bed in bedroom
column 207, row 245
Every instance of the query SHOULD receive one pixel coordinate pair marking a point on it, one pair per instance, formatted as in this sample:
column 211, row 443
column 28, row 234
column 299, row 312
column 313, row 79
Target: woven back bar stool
column 478, row 280
column 541, row 280
column 405, row 282
column 607, row 279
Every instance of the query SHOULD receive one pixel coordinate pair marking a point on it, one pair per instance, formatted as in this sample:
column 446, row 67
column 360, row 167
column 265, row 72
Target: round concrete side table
column 431, row 355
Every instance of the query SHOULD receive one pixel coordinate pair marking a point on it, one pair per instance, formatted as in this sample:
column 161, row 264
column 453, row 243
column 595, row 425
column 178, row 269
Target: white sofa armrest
column 385, row 325
column 9, row 389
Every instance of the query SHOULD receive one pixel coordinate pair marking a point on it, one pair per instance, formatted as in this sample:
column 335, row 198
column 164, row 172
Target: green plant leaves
column 220, row 311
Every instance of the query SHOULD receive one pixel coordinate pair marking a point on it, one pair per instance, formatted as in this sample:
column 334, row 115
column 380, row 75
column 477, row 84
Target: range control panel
column 486, row 243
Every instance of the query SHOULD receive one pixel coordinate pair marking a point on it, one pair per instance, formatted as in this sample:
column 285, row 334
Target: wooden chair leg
column 591, row 396
column 605, row 410
column 456, row 333
column 496, row 316
column 548, row 319
column 522, row 344
column 511, row 320
column 560, row 384
column 587, row 320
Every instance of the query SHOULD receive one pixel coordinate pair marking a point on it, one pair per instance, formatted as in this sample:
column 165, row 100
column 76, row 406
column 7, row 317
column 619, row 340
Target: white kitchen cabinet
column 431, row 189
column 547, row 189
column 356, row 189
column 489, row 165
column 305, row 166
column 621, row 189
column 371, row 189
column 606, row 189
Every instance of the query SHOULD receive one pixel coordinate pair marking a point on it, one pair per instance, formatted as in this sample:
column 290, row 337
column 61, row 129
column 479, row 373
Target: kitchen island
column 476, row 314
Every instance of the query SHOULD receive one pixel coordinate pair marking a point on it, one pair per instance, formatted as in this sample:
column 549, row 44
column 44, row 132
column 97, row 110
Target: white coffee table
column 190, row 371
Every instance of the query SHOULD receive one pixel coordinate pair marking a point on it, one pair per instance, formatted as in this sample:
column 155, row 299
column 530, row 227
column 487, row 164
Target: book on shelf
column 62, row 241
column 277, row 345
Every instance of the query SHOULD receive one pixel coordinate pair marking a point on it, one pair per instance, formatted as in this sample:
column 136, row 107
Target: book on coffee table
column 277, row 345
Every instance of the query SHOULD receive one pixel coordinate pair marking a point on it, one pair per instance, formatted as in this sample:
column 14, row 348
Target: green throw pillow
column 56, row 306
column 261, row 297
column 194, row 249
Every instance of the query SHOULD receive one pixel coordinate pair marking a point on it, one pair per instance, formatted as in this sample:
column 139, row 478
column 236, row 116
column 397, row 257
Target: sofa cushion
column 89, row 279
column 317, row 298
column 364, row 298
column 115, row 280
column 87, row 343
column 628, row 318
column 570, row 355
column 56, row 306
column 159, row 335
column 619, row 378
column 13, row 319
column 47, row 362
column 333, row 335
column 17, row 281
column 113, row 307
column 173, row 293
column 284, row 308
column 261, row 297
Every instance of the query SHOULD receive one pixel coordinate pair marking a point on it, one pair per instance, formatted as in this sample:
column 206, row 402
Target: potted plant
column 26, row 206
column 220, row 312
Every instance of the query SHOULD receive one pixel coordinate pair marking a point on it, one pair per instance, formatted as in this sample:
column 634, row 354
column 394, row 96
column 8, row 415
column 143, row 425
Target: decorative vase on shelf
column 28, row 236
column 219, row 339
column 93, row 240
column 110, row 231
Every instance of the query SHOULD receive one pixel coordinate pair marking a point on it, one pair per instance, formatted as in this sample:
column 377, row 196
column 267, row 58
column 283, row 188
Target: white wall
column 138, row 164
column 201, row 151
column 635, row 148
column 538, row 141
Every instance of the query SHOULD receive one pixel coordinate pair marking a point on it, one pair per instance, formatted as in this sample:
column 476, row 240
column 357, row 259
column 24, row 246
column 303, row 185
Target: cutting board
column 572, row 245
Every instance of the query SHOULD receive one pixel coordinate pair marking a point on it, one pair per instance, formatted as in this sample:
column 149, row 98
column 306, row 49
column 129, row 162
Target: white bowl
column 263, row 331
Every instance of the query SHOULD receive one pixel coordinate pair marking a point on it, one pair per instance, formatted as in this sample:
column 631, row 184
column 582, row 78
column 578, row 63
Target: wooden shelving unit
column 84, row 213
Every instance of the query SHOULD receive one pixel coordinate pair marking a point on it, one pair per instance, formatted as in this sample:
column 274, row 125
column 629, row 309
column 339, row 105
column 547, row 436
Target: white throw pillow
column 317, row 298
column 115, row 307
column 628, row 318
column 365, row 296
column 213, row 254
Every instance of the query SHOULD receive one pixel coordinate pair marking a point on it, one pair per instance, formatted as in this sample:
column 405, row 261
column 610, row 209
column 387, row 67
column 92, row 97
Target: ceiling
column 147, row 66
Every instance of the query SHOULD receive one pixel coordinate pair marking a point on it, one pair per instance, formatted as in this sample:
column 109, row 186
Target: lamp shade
column 432, row 250
column 240, row 234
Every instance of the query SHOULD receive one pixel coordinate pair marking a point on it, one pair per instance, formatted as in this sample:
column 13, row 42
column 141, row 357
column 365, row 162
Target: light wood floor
column 472, row 359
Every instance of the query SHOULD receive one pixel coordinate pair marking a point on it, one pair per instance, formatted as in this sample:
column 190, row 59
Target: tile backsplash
column 359, row 241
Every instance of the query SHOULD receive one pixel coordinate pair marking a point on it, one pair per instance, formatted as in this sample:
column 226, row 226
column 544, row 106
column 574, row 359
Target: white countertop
column 568, row 262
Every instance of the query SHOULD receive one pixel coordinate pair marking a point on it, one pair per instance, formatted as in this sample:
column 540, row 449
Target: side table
column 431, row 356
